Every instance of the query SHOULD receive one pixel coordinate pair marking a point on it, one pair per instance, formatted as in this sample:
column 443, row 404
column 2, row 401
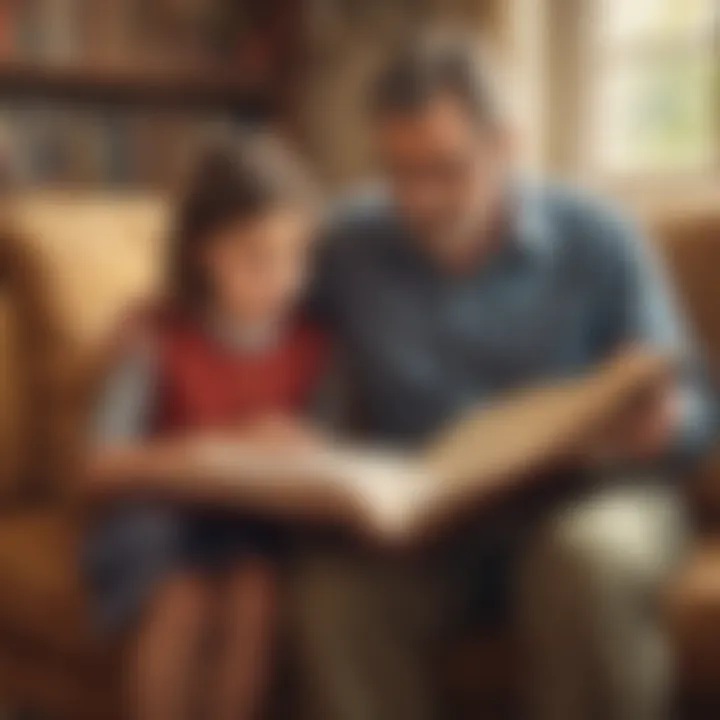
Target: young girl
column 227, row 356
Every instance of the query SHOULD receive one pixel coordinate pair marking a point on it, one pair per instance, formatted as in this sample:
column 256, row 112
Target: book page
column 539, row 424
column 375, row 490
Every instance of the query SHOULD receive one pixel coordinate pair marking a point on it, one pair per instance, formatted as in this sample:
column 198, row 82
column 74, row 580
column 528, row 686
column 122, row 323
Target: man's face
column 447, row 174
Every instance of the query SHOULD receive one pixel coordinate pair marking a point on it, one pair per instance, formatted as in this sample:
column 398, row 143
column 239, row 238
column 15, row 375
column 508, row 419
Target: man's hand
column 646, row 428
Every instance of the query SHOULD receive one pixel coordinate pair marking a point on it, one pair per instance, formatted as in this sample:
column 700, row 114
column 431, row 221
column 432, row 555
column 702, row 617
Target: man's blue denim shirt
column 571, row 283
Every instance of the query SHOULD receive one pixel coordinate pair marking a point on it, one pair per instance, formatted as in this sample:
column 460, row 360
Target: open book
column 396, row 496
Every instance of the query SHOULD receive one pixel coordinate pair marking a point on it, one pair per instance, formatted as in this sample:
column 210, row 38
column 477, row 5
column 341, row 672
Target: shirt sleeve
column 644, row 312
column 123, row 407
column 321, row 301
column 332, row 405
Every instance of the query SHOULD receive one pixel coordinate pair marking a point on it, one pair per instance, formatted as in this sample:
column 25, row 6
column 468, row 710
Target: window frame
column 605, row 55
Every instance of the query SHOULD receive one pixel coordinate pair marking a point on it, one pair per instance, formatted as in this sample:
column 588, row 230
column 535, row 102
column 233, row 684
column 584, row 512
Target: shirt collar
column 245, row 340
column 531, row 228
column 528, row 233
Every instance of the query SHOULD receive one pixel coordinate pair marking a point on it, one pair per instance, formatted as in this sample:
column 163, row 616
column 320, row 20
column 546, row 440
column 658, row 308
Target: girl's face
column 258, row 268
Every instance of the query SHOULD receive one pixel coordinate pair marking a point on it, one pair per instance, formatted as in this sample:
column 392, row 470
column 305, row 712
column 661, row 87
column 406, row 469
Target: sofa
column 69, row 267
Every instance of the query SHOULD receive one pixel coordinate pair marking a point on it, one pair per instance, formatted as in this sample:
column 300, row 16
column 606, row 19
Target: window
column 656, row 91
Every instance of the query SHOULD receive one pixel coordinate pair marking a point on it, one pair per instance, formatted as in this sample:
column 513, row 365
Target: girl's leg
column 247, row 638
column 163, row 664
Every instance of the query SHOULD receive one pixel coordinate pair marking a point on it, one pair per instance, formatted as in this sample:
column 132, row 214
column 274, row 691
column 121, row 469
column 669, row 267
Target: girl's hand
column 284, row 431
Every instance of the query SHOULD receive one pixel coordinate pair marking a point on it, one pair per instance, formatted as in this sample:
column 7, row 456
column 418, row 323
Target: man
column 458, row 284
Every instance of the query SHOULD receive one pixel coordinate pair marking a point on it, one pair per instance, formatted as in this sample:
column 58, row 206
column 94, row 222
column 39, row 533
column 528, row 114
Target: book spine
column 105, row 33
column 120, row 151
column 27, row 30
column 59, row 23
column 9, row 17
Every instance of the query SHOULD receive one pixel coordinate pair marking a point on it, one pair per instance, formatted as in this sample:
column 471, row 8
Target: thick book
column 398, row 496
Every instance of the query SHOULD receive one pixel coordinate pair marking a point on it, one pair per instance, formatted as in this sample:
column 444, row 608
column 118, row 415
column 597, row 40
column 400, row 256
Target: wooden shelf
column 131, row 87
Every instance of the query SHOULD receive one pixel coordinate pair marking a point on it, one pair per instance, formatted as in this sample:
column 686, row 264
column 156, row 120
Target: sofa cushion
column 42, row 602
column 694, row 615
column 95, row 256
column 98, row 254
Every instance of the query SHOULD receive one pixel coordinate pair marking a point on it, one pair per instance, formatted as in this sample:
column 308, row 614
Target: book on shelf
column 8, row 30
column 111, row 34
column 45, row 31
column 126, row 34
column 57, row 145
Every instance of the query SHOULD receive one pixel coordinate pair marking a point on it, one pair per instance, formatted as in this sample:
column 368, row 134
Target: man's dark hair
column 436, row 65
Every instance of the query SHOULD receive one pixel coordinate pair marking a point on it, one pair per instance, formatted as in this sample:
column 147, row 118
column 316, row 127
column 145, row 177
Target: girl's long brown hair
column 231, row 182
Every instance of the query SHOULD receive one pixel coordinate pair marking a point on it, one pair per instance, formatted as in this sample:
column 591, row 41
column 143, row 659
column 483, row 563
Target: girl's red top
column 205, row 383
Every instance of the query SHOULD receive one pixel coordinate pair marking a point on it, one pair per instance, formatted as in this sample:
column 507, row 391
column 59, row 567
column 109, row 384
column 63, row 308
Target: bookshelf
column 122, row 87
column 119, row 93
